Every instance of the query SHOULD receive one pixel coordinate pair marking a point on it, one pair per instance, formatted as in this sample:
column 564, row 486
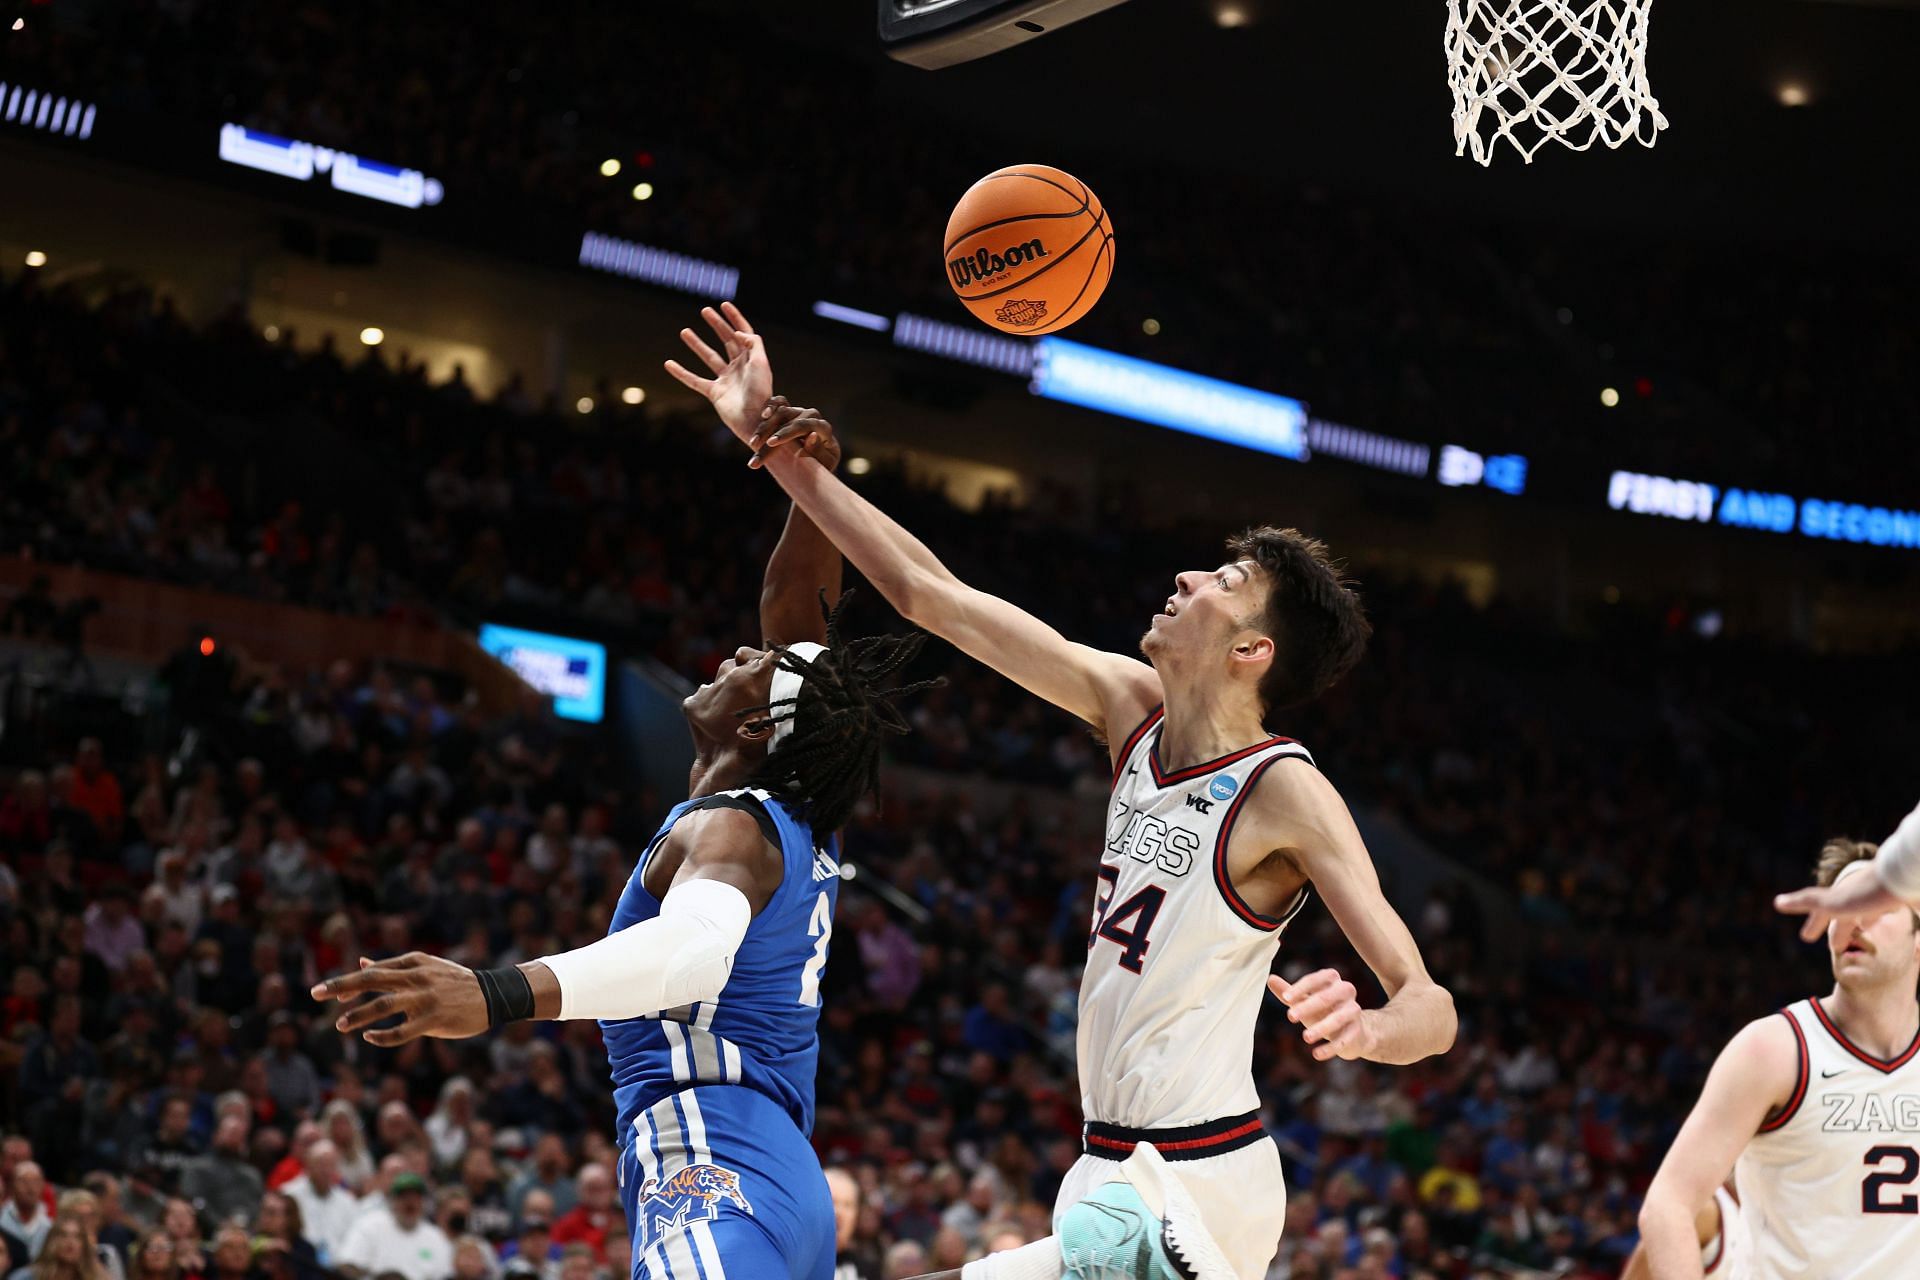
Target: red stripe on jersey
column 1266, row 924
column 1882, row 1065
column 1133, row 741
column 1800, row 1081
column 1202, row 770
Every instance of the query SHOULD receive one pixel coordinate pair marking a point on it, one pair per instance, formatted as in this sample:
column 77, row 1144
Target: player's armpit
column 723, row 844
column 1755, row 1076
column 1298, row 811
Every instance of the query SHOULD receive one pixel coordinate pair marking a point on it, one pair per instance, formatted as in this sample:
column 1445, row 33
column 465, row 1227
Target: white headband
column 786, row 684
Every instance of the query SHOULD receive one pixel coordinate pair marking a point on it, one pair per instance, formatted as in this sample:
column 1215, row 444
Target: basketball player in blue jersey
column 1216, row 830
column 707, row 986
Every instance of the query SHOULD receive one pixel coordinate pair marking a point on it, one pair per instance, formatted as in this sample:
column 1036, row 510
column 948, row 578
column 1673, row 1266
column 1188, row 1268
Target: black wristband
column 508, row 994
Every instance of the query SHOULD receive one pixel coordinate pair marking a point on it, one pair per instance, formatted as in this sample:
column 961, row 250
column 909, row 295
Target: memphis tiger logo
column 694, row 1194
column 1020, row 313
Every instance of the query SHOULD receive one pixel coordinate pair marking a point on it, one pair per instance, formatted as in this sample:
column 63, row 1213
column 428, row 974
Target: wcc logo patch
column 1223, row 787
column 692, row 1195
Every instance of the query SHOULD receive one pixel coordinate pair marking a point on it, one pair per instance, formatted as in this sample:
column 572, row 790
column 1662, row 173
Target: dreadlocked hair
column 832, row 756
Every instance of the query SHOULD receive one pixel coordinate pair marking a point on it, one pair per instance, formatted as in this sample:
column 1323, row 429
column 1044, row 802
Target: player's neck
column 716, row 768
column 1205, row 724
column 1882, row 1020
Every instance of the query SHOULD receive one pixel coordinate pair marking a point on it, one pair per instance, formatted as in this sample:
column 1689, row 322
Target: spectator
column 472, row 1260
column 221, row 1184
column 232, row 1254
column 397, row 1238
column 67, row 1255
column 96, row 791
column 597, row 1212
column 845, row 1190
column 182, row 1224
column 447, row 1126
column 904, row 1260
column 153, row 1258
column 342, row 1126
column 533, row 1254
column 990, row 1029
column 547, row 1174
column 113, row 931
column 24, row 1218
column 292, row 1082
column 281, row 1249
column 327, row 1209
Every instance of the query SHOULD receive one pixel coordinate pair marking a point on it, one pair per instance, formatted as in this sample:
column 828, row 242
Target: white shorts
column 1242, row 1197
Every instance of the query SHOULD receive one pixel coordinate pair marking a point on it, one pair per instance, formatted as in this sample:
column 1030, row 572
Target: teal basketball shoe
column 1141, row 1226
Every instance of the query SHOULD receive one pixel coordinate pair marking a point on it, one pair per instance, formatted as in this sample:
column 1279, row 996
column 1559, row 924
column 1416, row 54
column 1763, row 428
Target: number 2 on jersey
column 1141, row 908
column 821, row 927
column 1871, row 1198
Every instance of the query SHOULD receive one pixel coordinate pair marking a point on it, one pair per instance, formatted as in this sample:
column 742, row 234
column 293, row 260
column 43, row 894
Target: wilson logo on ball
column 1021, row 314
column 983, row 266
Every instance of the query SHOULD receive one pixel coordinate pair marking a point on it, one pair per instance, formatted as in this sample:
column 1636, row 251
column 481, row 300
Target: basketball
column 1029, row 249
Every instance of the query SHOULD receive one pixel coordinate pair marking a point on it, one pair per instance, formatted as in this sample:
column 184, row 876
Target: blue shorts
column 718, row 1184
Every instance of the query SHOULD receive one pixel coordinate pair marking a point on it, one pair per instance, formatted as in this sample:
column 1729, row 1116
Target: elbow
column 1449, row 1019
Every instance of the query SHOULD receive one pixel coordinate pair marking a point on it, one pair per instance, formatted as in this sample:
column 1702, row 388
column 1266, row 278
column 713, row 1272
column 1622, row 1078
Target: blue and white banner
column 303, row 161
column 1169, row 397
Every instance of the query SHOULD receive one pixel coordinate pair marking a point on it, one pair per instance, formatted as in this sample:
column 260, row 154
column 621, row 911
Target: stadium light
column 35, row 258
column 1792, row 94
column 643, row 191
column 1150, row 326
column 373, row 335
column 609, row 168
column 858, row 466
column 633, row 395
column 271, row 333
column 1609, row 397
column 584, row 404
column 1231, row 16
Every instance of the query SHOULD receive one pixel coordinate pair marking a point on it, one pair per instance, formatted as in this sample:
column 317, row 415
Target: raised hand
column 1860, row 894
column 1329, row 1014
column 784, row 423
column 433, row 997
column 742, row 381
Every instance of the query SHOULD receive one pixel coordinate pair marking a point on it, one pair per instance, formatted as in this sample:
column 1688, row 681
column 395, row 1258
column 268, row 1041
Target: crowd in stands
column 174, row 1105
column 1380, row 314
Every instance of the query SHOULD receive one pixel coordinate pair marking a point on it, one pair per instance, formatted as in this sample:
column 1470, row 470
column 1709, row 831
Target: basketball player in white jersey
column 1725, row 1248
column 1816, row 1111
column 1216, row 829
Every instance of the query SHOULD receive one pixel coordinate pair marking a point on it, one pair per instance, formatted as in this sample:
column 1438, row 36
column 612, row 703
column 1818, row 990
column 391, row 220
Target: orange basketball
column 1029, row 249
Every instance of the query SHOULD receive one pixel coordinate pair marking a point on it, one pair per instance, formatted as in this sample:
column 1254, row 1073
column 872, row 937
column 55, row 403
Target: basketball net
column 1539, row 71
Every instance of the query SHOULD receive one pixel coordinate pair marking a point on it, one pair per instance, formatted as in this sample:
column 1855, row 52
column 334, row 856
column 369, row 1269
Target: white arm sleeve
column 682, row 955
column 1899, row 860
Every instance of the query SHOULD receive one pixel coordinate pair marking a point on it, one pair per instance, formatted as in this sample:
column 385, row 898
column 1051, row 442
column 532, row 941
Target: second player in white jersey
column 1816, row 1111
column 1831, row 1185
column 1177, row 963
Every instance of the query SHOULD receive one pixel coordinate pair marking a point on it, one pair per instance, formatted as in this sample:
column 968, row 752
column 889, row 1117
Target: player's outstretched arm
column 804, row 562
column 726, row 873
column 1756, row 1075
column 1301, row 815
column 1100, row 688
column 1891, row 879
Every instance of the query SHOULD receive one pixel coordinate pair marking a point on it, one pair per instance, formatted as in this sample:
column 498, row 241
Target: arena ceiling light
column 941, row 33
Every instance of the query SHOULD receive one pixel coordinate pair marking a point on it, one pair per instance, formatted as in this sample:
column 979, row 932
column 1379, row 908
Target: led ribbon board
column 302, row 161
column 572, row 672
column 1171, row 398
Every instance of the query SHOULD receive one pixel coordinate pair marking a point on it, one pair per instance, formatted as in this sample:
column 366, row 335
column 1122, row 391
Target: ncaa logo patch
column 1223, row 787
column 691, row 1195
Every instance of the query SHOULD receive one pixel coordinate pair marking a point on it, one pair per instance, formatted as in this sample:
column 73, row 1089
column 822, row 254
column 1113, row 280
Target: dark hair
column 832, row 757
column 1313, row 614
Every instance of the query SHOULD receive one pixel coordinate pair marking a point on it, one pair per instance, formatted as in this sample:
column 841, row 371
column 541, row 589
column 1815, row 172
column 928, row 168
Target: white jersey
column 1729, row 1255
column 1177, row 964
column 1830, row 1187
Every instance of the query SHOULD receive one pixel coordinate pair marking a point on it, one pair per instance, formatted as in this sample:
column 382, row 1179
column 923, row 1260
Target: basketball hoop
column 1539, row 71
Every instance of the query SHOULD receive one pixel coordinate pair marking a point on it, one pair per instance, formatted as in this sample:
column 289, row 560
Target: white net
column 1539, row 71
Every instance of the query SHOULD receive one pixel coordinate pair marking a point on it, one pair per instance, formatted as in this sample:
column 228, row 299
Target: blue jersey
column 763, row 1031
